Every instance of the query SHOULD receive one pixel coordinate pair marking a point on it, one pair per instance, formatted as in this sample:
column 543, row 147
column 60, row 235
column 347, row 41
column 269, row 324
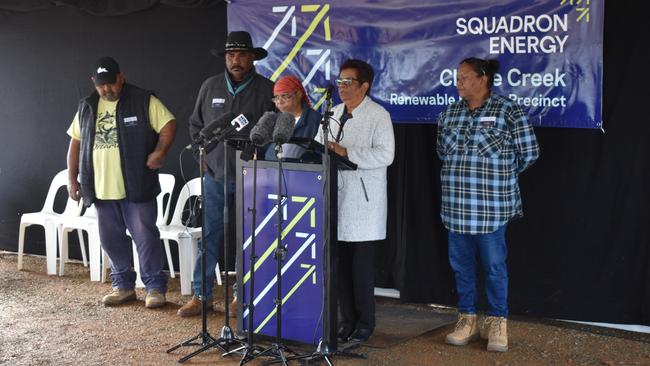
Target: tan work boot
column 192, row 308
column 118, row 296
column 154, row 299
column 497, row 333
column 466, row 330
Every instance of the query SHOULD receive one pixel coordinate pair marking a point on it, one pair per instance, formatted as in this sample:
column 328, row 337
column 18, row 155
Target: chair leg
column 170, row 261
column 82, row 244
column 63, row 249
column 105, row 265
column 94, row 248
column 51, row 246
column 186, row 263
column 136, row 266
column 21, row 244
column 218, row 273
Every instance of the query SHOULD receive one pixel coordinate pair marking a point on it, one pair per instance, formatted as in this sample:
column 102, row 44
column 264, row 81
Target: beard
column 110, row 97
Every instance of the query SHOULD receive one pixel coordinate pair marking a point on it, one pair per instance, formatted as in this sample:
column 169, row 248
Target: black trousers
column 356, row 284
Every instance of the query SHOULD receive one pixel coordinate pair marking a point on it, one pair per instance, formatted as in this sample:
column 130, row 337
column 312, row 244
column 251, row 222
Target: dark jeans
column 356, row 284
column 465, row 252
column 114, row 217
column 213, row 204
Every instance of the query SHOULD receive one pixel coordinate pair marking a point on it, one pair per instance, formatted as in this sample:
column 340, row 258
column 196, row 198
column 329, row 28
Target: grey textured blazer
column 362, row 194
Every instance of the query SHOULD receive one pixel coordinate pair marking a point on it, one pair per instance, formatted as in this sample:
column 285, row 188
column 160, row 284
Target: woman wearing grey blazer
column 364, row 135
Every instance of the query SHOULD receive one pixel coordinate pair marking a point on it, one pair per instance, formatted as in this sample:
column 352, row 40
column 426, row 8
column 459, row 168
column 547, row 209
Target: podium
column 309, row 202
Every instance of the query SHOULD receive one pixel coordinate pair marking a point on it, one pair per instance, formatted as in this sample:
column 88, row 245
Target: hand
column 204, row 167
column 340, row 150
column 155, row 160
column 73, row 190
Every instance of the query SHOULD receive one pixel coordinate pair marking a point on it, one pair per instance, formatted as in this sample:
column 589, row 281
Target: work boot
column 118, row 296
column 192, row 308
column 497, row 333
column 465, row 331
column 154, row 299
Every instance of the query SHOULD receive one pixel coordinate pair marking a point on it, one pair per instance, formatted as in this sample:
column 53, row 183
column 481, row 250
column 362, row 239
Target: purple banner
column 550, row 51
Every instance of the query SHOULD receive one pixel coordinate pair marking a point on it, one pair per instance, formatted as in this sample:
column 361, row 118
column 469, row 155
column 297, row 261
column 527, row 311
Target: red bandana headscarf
column 288, row 84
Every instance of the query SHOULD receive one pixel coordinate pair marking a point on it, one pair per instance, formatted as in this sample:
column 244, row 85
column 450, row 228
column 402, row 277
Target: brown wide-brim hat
column 240, row 41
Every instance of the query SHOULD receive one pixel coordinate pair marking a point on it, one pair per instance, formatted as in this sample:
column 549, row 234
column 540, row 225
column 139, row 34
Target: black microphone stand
column 249, row 350
column 226, row 336
column 277, row 349
column 204, row 337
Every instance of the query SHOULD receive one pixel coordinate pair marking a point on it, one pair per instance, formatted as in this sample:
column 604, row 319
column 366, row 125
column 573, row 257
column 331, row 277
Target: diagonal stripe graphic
column 286, row 267
column 300, row 42
column 277, row 29
column 287, row 297
column 286, row 230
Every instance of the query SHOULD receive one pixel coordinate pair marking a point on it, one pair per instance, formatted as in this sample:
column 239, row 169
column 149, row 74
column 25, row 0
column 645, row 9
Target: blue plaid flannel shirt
column 482, row 152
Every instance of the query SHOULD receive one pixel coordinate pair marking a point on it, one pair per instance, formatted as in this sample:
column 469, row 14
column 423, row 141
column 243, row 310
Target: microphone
column 325, row 122
column 328, row 91
column 212, row 128
column 220, row 127
column 261, row 133
column 284, row 128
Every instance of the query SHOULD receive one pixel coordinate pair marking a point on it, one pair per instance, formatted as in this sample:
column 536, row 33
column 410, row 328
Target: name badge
column 131, row 121
column 487, row 121
column 218, row 102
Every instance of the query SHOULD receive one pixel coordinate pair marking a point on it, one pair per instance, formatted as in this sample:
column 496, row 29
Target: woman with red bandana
column 289, row 96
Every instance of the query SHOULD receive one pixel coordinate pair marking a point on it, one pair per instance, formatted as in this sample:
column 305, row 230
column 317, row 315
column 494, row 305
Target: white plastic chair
column 49, row 220
column 167, row 182
column 88, row 223
column 186, row 237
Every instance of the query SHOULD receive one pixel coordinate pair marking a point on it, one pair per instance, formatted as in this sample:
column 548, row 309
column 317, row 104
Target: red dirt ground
column 51, row 320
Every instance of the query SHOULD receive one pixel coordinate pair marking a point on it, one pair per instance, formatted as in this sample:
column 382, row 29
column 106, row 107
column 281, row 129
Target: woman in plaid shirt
column 484, row 142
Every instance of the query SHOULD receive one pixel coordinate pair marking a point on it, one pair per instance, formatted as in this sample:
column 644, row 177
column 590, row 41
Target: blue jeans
column 465, row 252
column 213, row 202
column 114, row 217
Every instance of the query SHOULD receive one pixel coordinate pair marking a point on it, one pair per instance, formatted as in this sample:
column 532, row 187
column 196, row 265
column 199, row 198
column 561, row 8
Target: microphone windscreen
column 212, row 128
column 262, row 133
column 284, row 128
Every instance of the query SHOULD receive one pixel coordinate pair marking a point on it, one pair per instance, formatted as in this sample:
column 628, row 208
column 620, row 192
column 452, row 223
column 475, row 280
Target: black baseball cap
column 105, row 71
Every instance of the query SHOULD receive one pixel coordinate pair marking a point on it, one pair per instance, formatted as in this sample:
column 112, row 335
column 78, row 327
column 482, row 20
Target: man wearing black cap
column 119, row 138
column 238, row 90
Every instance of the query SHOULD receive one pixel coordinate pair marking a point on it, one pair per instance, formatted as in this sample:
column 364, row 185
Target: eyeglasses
column 346, row 81
column 282, row 97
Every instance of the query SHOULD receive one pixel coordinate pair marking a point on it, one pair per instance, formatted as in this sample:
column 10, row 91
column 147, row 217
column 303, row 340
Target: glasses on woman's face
column 346, row 81
column 283, row 97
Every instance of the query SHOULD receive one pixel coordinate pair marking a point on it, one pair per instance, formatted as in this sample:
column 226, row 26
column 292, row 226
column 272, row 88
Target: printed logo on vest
column 131, row 121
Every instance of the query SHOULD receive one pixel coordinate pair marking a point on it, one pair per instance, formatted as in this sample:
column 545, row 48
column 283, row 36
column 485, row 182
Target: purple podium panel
column 302, row 268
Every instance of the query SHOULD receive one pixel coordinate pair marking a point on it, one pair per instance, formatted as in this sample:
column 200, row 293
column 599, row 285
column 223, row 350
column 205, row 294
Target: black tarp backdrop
column 580, row 252
column 46, row 56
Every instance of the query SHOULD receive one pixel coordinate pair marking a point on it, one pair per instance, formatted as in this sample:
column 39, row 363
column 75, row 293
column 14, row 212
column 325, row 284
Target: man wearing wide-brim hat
column 240, row 89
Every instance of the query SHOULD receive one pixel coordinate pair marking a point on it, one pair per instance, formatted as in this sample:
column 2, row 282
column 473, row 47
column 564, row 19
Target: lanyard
column 241, row 86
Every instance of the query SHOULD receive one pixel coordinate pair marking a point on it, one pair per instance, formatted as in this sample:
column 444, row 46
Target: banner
column 550, row 51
